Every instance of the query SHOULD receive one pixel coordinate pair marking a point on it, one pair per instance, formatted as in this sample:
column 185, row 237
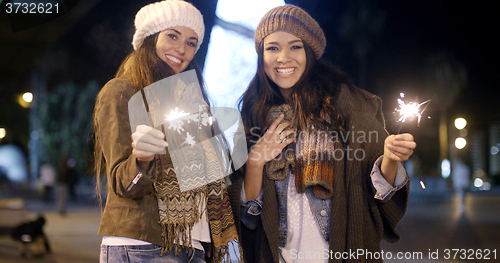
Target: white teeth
column 285, row 70
column 174, row 59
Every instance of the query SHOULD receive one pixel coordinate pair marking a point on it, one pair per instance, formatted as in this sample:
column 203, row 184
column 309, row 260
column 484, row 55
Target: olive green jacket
column 134, row 213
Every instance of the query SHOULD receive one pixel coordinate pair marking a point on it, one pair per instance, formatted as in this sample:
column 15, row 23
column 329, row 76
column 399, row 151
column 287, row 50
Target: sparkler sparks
column 177, row 118
column 422, row 184
column 411, row 109
column 176, row 114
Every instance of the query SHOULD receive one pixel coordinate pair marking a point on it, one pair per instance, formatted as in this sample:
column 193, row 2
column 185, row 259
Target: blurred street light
column 28, row 97
column 25, row 99
column 478, row 182
column 445, row 168
column 494, row 150
column 2, row 133
column 460, row 123
column 460, row 143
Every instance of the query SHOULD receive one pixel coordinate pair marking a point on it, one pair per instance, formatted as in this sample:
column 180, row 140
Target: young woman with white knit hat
column 323, row 179
column 154, row 221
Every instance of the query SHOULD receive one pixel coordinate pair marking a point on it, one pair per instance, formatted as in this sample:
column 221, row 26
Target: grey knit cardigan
column 357, row 220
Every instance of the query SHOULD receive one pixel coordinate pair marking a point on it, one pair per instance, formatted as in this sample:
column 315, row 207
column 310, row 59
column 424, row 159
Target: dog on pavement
column 32, row 238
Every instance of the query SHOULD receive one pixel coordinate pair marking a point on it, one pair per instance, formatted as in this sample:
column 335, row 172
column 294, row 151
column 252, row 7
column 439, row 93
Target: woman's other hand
column 271, row 144
column 267, row 148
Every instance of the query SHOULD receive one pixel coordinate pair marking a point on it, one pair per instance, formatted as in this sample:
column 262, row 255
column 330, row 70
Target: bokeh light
column 28, row 97
column 445, row 168
column 460, row 143
column 460, row 123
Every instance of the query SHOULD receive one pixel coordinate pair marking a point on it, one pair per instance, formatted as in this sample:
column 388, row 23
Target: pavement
column 427, row 231
column 438, row 232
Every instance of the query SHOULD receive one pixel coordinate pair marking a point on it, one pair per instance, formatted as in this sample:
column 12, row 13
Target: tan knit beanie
column 293, row 20
column 159, row 16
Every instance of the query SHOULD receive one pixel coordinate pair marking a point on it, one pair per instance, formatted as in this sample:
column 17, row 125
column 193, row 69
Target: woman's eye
column 172, row 36
column 191, row 44
column 296, row 47
column 272, row 48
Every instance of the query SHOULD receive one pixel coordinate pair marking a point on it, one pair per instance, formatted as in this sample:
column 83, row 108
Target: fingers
column 148, row 140
column 275, row 123
column 273, row 142
column 405, row 140
column 144, row 129
column 286, row 134
column 399, row 147
column 401, row 152
column 275, row 132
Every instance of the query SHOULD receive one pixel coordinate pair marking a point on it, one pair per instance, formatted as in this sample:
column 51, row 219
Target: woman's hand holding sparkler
column 146, row 142
column 397, row 148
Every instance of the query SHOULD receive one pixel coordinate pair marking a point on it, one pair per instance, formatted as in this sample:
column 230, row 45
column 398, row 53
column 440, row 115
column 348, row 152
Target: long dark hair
column 140, row 68
column 313, row 97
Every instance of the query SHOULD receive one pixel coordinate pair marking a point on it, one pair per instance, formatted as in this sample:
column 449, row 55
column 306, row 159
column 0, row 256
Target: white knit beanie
column 160, row 16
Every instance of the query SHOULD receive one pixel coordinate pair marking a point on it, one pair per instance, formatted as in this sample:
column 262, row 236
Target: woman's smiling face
column 176, row 47
column 284, row 60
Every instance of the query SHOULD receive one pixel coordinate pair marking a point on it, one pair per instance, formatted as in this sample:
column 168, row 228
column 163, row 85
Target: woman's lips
column 286, row 72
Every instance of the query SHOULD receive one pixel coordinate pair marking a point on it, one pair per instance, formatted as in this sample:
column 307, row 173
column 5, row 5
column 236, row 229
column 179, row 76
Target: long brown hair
column 313, row 97
column 140, row 68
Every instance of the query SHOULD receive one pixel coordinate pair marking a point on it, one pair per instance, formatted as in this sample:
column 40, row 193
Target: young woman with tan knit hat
column 323, row 178
column 146, row 217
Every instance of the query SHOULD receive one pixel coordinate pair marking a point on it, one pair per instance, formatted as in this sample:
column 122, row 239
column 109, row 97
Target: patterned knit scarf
column 310, row 158
column 179, row 211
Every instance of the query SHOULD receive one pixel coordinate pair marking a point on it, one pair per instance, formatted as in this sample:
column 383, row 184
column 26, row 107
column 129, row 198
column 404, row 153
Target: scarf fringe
column 179, row 211
column 179, row 234
column 224, row 253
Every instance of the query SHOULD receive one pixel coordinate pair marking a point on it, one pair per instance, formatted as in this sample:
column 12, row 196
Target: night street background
column 443, row 50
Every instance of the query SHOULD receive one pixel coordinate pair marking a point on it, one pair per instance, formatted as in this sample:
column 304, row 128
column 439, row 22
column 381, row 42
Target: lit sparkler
column 422, row 184
column 176, row 119
column 410, row 110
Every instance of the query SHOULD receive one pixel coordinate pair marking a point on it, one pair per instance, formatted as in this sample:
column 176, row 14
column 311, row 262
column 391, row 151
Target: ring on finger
column 279, row 137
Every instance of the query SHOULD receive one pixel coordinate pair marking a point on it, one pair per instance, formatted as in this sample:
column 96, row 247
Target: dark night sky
column 467, row 29
column 414, row 30
column 95, row 44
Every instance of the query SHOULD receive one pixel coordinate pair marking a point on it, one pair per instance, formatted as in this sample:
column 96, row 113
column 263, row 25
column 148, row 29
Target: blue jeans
column 148, row 253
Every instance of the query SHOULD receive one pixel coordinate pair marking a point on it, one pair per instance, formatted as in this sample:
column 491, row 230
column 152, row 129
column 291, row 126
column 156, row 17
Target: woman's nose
column 181, row 48
column 283, row 57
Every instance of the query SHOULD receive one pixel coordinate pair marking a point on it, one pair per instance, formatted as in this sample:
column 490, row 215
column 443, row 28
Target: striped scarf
column 179, row 211
column 310, row 158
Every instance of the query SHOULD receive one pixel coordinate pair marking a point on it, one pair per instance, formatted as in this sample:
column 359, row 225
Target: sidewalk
column 73, row 238
column 431, row 228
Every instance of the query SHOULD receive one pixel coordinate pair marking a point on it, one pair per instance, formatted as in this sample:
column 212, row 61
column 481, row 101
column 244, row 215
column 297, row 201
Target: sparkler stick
column 411, row 110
